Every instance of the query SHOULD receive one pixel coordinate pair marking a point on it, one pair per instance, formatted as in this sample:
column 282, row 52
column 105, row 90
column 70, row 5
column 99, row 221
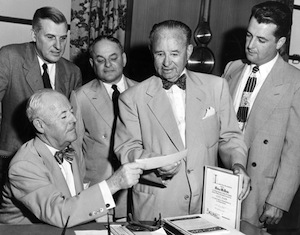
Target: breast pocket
column 210, row 130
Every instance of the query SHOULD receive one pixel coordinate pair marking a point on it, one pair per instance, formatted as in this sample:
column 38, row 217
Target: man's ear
column 189, row 51
column 91, row 62
column 124, row 58
column 33, row 35
column 38, row 125
column 280, row 42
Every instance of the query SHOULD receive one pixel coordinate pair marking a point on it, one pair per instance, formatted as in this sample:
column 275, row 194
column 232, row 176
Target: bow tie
column 67, row 153
column 180, row 82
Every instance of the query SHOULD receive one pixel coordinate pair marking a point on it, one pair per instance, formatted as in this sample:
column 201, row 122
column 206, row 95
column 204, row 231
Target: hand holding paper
column 161, row 161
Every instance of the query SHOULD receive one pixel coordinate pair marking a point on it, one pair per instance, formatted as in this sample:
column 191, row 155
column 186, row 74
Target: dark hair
column 171, row 24
column 105, row 37
column 276, row 13
column 50, row 13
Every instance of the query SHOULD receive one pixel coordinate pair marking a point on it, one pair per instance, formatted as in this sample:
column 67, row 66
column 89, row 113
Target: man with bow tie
column 160, row 118
column 44, row 183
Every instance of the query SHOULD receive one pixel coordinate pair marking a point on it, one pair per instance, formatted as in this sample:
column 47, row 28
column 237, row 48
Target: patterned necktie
column 115, row 96
column 180, row 82
column 46, row 78
column 245, row 100
column 67, row 153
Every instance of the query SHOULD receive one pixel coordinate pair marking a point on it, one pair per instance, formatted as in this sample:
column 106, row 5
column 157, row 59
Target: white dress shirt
column 66, row 169
column 120, row 85
column 51, row 71
column 177, row 99
column 261, row 75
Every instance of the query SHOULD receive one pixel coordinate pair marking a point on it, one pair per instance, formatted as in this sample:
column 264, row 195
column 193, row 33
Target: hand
column 169, row 171
column 271, row 214
column 239, row 169
column 125, row 177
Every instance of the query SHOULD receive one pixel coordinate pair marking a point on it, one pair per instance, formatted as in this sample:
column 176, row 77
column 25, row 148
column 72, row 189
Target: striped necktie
column 245, row 100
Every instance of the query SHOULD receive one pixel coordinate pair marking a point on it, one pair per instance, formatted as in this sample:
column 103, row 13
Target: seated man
column 43, row 187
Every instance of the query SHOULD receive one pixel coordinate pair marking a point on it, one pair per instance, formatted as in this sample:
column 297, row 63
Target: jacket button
column 266, row 141
column 107, row 205
column 186, row 197
column 104, row 136
column 253, row 164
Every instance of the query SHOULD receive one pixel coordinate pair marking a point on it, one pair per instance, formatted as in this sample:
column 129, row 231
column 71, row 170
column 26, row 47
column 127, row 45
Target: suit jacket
column 20, row 77
column 272, row 136
column 93, row 110
column 37, row 191
column 147, row 128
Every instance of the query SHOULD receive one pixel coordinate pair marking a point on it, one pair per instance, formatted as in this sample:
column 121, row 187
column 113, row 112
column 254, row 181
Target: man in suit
column 272, row 126
column 21, row 70
column 94, row 111
column 44, row 187
column 155, row 121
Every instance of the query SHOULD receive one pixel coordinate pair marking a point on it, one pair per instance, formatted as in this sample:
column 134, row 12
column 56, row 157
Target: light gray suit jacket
column 20, row 77
column 272, row 136
column 37, row 191
column 93, row 109
column 147, row 128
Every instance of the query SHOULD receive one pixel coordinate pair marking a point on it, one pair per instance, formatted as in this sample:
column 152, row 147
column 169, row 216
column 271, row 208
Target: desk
column 44, row 229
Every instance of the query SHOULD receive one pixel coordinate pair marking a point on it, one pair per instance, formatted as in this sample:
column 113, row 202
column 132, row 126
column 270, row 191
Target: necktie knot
column 180, row 82
column 255, row 69
column 67, row 153
column 45, row 67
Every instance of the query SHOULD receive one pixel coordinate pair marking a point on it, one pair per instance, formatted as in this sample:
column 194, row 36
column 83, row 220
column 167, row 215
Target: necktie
column 46, row 78
column 67, row 153
column 115, row 96
column 180, row 82
column 245, row 100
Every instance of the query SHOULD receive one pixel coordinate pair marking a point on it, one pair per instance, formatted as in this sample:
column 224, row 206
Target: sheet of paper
column 161, row 161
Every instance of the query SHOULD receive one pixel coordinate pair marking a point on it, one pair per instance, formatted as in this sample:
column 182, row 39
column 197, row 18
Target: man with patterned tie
column 95, row 107
column 158, row 118
column 272, row 125
column 41, row 189
column 28, row 67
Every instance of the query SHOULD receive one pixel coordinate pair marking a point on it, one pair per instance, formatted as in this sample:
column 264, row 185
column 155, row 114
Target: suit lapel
column 60, row 77
column 160, row 106
column 266, row 101
column 100, row 99
column 195, row 108
column 53, row 167
column 77, row 178
column 234, row 79
column 32, row 69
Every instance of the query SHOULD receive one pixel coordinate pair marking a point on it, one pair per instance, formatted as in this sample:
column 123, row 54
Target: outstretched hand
column 125, row 177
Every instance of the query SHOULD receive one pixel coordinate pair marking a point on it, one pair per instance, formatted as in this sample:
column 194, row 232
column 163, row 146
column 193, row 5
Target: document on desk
column 161, row 161
column 117, row 229
column 91, row 232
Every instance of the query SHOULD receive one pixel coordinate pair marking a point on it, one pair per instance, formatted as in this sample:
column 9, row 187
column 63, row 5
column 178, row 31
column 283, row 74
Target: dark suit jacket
column 93, row 110
column 272, row 135
column 20, row 77
column 37, row 191
column 147, row 128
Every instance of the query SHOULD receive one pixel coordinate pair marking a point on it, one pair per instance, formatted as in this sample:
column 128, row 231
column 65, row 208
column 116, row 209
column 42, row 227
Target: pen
column 108, row 225
column 65, row 227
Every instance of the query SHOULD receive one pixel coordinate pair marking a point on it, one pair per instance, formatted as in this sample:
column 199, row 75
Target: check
column 161, row 161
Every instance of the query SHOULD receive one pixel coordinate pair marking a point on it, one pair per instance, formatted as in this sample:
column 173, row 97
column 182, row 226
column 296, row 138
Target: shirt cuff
column 107, row 197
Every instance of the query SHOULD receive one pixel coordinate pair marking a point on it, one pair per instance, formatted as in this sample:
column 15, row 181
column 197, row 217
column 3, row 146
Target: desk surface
column 37, row 229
